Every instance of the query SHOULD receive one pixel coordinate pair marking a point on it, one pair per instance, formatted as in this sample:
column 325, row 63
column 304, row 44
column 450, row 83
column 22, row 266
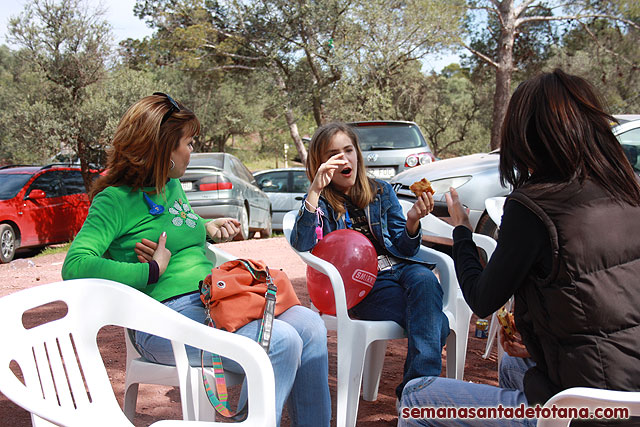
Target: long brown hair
column 141, row 148
column 364, row 190
column 556, row 130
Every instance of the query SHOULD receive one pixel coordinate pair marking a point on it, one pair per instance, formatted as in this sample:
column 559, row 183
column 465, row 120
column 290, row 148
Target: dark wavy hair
column 556, row 130
column 140, row 152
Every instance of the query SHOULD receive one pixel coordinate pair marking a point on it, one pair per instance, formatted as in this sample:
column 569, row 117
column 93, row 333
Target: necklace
column 154, row 208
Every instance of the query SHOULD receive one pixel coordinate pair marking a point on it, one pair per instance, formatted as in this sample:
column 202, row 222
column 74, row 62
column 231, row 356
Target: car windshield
column 213, row 160
column 10, row 184
column 389, row 137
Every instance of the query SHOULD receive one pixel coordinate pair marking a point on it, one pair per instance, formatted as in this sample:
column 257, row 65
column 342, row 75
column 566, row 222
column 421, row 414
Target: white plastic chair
column 592, row 398
column 434, row 226
column 362, row 344
column 65, row 380
column 495, row 207
column 142, row 371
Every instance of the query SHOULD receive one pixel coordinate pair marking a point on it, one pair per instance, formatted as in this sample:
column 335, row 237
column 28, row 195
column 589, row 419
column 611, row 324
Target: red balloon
column 355, row 258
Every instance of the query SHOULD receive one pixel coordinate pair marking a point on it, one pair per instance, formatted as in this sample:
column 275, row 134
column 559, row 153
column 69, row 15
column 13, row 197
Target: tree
column 451, row 114
column 306, row 47
column 69, row 44
column 607, row 57
column 512, row 17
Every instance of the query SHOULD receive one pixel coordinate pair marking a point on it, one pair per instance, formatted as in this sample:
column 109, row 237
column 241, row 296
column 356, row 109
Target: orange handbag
column 236, row 293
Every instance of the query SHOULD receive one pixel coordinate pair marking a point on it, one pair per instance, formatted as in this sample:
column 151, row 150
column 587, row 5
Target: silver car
column 476, row 177
column 218, row 185
column 285, row 187
column 390, row 147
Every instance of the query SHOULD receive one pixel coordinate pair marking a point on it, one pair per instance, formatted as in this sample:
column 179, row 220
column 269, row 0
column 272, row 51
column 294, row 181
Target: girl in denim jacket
column 406, row 290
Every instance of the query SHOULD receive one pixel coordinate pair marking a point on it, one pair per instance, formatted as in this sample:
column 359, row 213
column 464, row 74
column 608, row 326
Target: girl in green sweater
column 141, row 231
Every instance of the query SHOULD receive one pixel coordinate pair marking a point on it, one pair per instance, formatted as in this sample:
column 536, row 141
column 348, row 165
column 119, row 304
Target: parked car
column 218, row 185
column 285, row 187
column 476, row 177
column 390, row 147
column 39, row 206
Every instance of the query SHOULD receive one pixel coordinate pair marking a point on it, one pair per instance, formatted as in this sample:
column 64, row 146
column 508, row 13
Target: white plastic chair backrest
column 434, row 226
column 58, row 358
column 495, row 207
column 592, row 398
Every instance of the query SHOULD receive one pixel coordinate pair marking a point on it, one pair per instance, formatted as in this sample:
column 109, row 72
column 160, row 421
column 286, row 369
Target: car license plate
column 381, row 173
column 187, row 186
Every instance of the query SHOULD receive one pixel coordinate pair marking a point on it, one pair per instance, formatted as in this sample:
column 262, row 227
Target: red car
column 39, row 205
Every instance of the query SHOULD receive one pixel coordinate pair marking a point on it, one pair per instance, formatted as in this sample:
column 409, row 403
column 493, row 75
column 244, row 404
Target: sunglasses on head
column 174, row 107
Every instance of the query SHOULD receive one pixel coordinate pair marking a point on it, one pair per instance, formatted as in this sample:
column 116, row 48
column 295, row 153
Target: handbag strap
column 220, row 402
column 266, row 326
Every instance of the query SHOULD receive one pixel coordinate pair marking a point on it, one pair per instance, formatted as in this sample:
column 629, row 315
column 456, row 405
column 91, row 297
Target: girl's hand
column 513, row 345
column 421, row 208
column 147, row 250
column 325, row 172
column 222, row 229
column 458, row 213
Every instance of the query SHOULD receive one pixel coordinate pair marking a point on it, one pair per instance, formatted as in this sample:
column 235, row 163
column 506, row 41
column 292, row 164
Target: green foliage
column 451, row 115
column 612, row 64
column 255, row 71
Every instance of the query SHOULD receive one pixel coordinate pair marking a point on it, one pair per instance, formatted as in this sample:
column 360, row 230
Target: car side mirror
column 265, row 183
column 36, row 194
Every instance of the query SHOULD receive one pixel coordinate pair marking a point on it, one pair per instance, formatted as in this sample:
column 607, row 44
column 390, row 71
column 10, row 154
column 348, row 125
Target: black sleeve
column 522, row 244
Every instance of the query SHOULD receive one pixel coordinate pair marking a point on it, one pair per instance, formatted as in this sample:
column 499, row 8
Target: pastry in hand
column 421, row 186
column 508, row 323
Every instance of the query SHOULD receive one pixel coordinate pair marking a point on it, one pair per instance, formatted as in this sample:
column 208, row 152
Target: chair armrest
column 217, row 256
column 446, row 271
column 596, row 398
column 335, row 278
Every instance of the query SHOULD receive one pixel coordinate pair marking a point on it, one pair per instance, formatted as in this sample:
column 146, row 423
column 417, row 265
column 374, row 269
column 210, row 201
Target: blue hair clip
column 154, row 208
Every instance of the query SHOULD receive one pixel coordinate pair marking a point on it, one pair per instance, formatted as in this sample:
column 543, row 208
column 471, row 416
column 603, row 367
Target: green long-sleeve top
column 117, row 219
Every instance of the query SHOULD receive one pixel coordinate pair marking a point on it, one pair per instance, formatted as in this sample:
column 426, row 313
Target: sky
column 119, row 14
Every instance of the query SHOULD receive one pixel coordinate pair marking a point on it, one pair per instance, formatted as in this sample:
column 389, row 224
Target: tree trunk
column 500, row 102
column 291, row 121
column 318, row 110
column 220, row 142
column 504, row 69
column 295, row 135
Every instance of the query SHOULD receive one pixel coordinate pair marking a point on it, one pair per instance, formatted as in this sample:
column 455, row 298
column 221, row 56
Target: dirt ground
column 160, row 402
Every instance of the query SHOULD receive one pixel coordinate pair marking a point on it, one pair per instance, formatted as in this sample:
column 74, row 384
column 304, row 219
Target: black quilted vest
column 581, row 324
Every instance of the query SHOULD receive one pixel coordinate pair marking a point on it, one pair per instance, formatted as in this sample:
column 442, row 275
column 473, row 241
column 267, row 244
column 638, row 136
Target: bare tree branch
column 576, row 17
column 480, row 55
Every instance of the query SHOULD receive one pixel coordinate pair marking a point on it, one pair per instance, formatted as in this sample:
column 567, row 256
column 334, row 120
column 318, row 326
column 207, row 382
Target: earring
column 173, row 164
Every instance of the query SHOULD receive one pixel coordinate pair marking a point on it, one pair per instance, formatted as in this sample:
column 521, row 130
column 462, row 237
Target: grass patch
column 55, row 249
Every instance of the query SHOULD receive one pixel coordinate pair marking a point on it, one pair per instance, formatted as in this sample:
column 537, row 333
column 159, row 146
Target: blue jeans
column 410, row 295
column 437, row 392
column 298, row 354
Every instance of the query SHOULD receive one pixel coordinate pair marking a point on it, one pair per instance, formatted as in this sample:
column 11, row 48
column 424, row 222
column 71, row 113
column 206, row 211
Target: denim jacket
column 386, row 221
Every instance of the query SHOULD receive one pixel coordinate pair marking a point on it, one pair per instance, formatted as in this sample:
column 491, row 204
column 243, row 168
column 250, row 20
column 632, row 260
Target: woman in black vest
column 568, row 251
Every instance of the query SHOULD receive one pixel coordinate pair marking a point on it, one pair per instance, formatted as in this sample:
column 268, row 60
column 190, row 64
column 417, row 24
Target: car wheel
column 487, row 227
column 265, row 233
column 244, row 225
column 7, row 243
